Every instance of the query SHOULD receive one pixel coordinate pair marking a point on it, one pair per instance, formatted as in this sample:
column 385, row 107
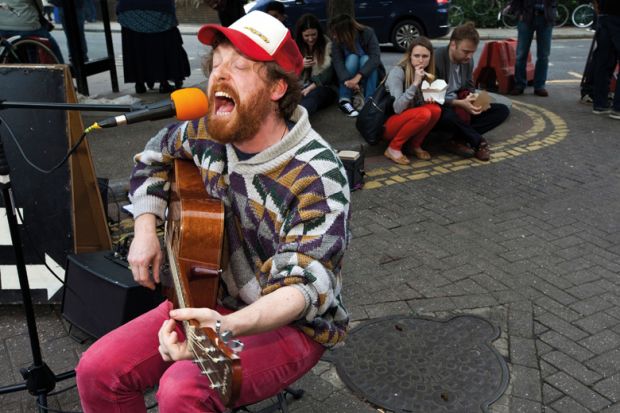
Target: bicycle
column 456, row 15
column 26, row 49
column 583, row 16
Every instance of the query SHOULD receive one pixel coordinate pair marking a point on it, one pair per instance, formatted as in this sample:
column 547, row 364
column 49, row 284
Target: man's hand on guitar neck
column 145, row 251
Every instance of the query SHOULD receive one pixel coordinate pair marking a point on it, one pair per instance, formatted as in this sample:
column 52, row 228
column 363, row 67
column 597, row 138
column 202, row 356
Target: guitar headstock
column 217, row 360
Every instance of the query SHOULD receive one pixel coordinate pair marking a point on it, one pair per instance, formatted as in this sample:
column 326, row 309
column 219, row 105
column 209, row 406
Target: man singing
column 287, row 211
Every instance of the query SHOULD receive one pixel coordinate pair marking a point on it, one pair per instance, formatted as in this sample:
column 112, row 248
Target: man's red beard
column 245, row 120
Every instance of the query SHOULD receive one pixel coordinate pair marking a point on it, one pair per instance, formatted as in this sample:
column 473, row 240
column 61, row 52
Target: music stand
column 39, row 378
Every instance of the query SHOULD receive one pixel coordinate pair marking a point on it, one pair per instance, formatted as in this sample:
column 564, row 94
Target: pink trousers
column 114, row 372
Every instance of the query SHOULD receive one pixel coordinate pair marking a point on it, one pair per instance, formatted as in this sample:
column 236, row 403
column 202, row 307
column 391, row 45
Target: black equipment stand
column 39, row 378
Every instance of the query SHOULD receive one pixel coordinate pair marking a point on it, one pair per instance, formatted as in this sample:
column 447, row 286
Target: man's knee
column 502, row 111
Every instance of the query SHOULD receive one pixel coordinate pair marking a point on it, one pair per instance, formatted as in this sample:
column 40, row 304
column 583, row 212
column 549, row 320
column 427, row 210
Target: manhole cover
column 408, row 364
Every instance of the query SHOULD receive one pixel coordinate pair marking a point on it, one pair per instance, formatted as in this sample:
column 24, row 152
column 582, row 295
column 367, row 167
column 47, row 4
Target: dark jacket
column 524, row 9
column 370, row 45
column 442, row 69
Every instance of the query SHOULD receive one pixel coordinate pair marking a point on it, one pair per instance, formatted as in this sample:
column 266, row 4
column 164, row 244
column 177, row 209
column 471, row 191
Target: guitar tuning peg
column 236, row 346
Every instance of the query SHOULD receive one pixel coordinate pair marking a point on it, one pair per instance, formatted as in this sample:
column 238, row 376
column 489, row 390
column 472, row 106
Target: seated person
column 356, row 58
column 286, row 235
column 413, row 118
column 21, row 18
column 318, row 91
column 459, row 115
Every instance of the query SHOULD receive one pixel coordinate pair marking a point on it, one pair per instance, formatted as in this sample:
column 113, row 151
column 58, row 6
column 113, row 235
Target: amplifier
column 100, row 294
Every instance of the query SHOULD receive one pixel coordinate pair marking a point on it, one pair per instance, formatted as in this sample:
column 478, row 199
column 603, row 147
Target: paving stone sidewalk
column 530, row 241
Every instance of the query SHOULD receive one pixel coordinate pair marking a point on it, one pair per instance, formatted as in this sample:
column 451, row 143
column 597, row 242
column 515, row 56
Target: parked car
column 394, row 21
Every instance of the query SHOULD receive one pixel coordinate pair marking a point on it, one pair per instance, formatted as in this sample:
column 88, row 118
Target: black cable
column 49, row 409
column 34, row 248
column 29, row 162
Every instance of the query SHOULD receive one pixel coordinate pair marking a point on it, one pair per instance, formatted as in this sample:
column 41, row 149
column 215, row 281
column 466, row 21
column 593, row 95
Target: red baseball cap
column 260, row 37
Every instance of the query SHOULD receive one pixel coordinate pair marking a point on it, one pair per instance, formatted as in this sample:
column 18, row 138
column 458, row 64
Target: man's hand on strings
column 170, row 348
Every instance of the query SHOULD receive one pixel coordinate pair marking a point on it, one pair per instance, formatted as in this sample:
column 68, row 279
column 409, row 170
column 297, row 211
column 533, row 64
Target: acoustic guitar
column 194, row 240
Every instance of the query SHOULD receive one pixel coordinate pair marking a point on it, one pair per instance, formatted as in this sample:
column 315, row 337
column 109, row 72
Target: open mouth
column 224, row 104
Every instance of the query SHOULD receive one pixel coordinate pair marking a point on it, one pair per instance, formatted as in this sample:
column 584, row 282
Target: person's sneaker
column 615, row 114
column 601, row 111
column 586, row 99
column 347, row 108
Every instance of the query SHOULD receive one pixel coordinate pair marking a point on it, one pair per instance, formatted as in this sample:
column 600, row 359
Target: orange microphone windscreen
column 190, row 103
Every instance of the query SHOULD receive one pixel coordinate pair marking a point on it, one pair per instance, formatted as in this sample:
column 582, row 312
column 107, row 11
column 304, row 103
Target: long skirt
column 154, row 57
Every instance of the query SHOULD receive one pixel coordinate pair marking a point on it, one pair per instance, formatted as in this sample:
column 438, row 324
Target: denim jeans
column 604, row 61
column 543, row 48
column 353, row 63
column 114, row 372
column 39, row 33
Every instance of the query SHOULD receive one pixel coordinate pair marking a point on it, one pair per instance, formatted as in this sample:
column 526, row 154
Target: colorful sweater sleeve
column 148, row 184
column 314, row 236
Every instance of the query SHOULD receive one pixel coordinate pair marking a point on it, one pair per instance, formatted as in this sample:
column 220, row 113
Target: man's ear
column 278, row 90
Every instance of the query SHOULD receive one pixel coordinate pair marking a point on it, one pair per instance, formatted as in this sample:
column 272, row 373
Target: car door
column 296, row 8
column 374, row 13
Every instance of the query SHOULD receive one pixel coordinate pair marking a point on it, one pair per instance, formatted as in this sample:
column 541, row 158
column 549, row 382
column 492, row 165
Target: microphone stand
column 39, row 378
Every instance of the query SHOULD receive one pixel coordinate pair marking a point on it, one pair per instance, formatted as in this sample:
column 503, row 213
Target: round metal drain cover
column 408, row 364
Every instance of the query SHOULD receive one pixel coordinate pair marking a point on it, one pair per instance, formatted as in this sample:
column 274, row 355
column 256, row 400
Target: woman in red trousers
column 413, row 116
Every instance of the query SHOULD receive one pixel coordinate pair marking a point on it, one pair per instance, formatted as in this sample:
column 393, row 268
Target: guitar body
column 194, row 243
column 196, row 225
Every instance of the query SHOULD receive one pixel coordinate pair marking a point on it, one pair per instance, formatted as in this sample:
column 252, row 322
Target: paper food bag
column 435, row 90
column 483, row 99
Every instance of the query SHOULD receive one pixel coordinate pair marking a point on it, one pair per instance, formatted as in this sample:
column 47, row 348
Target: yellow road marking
column 523, row 143
column 564, row 81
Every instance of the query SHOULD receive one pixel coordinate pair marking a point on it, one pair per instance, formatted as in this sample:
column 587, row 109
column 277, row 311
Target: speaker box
column 100, row 293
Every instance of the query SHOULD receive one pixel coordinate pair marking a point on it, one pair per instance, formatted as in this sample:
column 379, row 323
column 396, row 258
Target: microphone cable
column 32, row 164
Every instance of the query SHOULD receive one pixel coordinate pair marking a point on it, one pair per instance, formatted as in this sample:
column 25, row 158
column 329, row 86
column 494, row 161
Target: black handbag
column 373, row 115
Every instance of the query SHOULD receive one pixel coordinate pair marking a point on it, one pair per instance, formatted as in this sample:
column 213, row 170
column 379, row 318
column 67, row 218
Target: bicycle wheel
column 482, row 7
column 509, row 20
column 583, row 16
column 455, row 15
column 561, row 16
column 27, row 50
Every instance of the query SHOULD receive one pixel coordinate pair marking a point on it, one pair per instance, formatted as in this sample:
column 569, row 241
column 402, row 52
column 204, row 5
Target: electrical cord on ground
column 29, row 162
column 49, row 409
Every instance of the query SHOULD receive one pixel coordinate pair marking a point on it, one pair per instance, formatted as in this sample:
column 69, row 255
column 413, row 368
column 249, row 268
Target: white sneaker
column 348, row 109
column 601, row 111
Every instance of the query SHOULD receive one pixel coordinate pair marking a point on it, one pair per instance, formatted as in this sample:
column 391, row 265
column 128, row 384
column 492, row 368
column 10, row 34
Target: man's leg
column 115, row 371
column 543, row 49
column 525, row 35
column 490, row 118
column 269, row 362
column 614, row 29
column 603, row 64
column 450, row 121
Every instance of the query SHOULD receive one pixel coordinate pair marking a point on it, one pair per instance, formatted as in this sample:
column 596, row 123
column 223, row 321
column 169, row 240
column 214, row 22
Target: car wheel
column 404, row 32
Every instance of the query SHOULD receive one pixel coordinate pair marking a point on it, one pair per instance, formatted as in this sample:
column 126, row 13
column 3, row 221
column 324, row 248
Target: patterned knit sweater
column 287, row 214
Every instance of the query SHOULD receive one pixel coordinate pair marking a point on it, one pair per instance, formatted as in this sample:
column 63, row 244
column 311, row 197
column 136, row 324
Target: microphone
column 185, row 104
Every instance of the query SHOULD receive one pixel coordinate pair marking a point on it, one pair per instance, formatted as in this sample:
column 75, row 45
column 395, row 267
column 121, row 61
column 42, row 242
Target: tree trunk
column 336, row 7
